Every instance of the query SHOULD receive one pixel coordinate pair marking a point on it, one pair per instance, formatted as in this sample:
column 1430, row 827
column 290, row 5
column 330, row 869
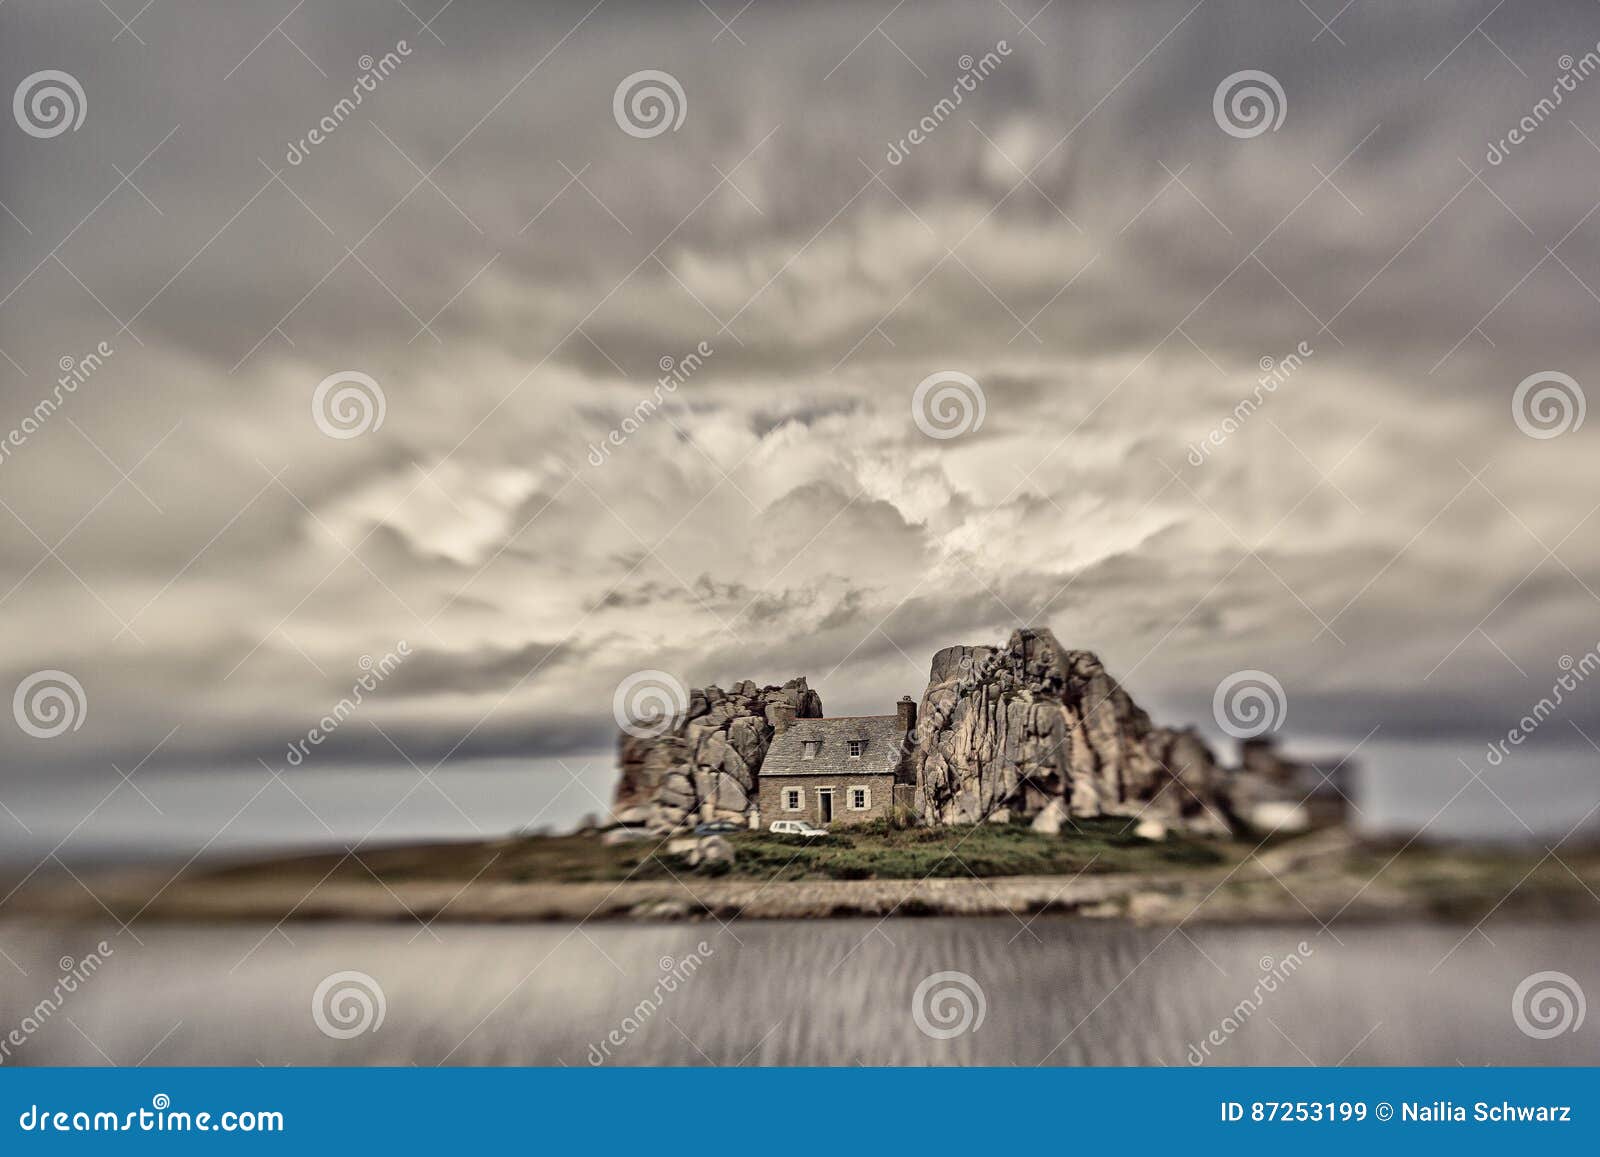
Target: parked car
column 797, row 828
column 717, row 828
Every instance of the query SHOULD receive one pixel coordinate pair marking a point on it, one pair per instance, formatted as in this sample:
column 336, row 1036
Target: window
column 856, row 748
column 860, row 798
column 791, row 799
column 808, row 748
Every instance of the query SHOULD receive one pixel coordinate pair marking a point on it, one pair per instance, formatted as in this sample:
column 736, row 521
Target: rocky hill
column 704, row 765
column 1032, row 729
column 1027, row 730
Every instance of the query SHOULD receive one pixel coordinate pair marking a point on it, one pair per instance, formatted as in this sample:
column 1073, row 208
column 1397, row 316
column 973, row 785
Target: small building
column 837, row 771
column 1273, row 793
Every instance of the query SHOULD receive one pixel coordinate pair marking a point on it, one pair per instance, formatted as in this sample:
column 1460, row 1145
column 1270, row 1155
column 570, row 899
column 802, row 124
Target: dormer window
column 809, row 747
column 857, row 746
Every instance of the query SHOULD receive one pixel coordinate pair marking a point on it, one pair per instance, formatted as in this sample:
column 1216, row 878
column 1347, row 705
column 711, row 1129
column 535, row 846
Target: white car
column 797, row 828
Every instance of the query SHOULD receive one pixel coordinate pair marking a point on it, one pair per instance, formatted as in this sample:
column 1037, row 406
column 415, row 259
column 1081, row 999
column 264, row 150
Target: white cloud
column 455, row 509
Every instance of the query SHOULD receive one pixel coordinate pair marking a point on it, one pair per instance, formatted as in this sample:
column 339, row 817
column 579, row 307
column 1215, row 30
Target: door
column 825, row 805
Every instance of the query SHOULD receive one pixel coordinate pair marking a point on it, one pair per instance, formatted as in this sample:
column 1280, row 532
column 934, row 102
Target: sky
column 372, row 400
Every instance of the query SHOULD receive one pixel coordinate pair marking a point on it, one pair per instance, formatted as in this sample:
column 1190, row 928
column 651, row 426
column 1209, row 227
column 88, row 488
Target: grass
column 1452, row 883
column 879, row 851
column 871, row 851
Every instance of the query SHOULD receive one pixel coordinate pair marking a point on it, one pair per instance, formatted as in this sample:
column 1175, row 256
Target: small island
column 1024, row 781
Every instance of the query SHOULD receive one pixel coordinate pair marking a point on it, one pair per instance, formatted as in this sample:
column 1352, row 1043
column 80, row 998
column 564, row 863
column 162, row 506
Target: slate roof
column 881, row 756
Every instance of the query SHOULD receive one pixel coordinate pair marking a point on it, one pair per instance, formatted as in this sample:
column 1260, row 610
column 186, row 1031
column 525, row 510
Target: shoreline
column 1316, row 878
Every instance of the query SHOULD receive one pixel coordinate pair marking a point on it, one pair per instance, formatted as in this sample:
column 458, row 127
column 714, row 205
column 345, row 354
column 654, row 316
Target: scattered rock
column 1049, row 820
column 1104, row 910
column 659, row 910
column 1282, row 816
column 1149, row 907
column 715, row 850
column 1151, row 830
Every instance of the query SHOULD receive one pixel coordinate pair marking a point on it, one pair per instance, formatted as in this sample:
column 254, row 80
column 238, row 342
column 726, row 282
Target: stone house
column 839, row 771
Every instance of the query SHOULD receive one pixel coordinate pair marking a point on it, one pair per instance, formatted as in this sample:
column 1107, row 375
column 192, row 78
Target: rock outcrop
column 1032, row 729
column 1028, row 731
column 704, row 766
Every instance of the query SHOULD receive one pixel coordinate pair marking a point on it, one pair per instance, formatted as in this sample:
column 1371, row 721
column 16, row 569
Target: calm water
column 1059, row 991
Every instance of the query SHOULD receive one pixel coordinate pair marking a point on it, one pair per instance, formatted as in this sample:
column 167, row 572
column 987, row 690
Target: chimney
column 780, row 715
column 907, row 712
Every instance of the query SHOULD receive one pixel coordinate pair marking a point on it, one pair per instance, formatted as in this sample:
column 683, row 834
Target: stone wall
column 881, row 803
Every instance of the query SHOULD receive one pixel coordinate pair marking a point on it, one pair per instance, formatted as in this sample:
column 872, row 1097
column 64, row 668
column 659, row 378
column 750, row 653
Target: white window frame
column 798, row 795
column 850, row 797
column 855, row 748
column 809, row 748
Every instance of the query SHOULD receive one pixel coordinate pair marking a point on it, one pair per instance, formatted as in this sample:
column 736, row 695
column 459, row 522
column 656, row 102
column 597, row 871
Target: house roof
column 881, row 755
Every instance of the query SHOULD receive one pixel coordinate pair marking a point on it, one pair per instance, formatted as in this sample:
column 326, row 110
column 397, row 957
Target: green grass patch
column 875, row 851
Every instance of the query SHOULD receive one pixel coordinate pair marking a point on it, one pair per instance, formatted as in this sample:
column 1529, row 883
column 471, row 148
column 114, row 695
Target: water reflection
column 1055, row 991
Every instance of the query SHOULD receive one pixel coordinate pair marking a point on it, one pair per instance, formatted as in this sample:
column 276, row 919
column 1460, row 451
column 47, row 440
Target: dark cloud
column 489, row 669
